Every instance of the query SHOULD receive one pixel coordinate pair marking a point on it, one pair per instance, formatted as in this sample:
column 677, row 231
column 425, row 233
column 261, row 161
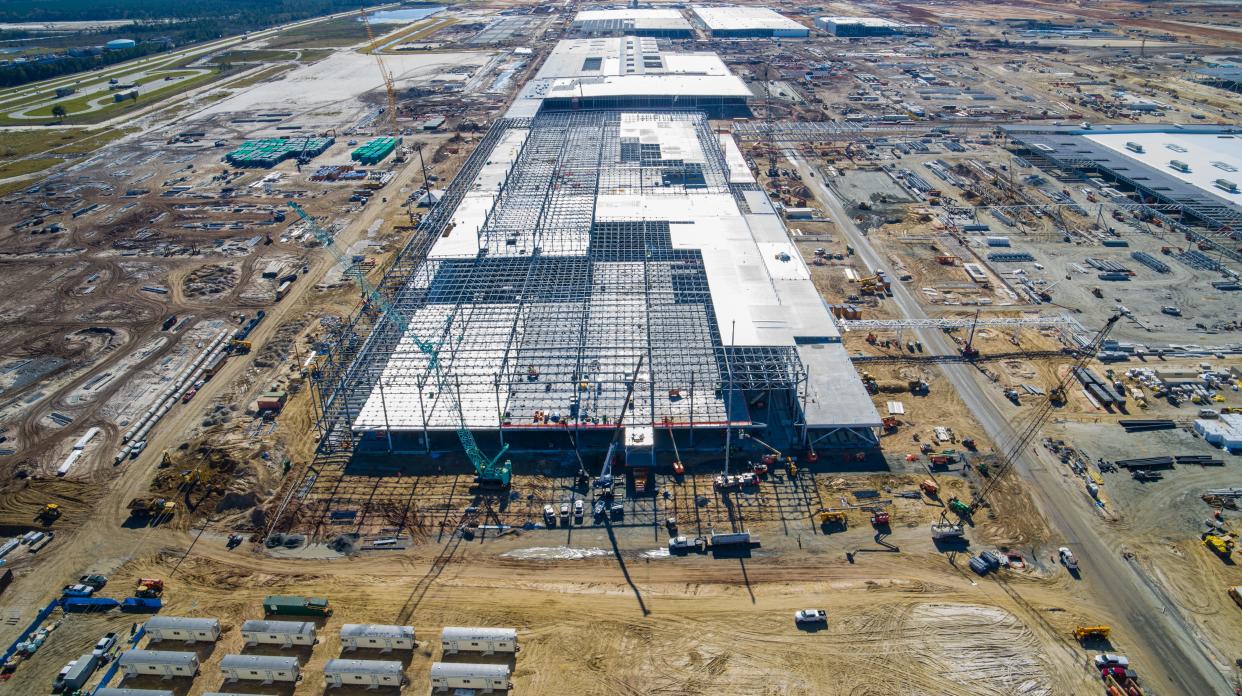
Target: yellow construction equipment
column 1223, row 546
column 50, row 513
column 165, row 460
column 240, row 346
column 829, row 518
column 1092, row 632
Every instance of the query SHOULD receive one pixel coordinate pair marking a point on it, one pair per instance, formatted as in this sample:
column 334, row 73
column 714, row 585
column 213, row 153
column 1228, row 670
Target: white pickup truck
column 810, row 616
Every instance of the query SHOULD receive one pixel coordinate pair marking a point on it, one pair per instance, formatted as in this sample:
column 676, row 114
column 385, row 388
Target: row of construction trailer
column 272, row 669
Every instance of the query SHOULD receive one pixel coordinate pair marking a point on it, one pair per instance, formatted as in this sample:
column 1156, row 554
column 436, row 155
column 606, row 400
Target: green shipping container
column 295, row 605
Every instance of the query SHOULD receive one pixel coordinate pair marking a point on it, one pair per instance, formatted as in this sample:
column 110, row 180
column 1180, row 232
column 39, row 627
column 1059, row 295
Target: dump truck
column 295, row 605
column 1092, row 632
column 151, row 507
column 1222, row 546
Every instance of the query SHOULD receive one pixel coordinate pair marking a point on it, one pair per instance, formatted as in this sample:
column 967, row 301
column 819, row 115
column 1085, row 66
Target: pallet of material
column 1200, row 459
column 1146, row 463
column 1134, row 426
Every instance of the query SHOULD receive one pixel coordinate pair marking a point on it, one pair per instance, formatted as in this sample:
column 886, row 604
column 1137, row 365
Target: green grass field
column 343, row 31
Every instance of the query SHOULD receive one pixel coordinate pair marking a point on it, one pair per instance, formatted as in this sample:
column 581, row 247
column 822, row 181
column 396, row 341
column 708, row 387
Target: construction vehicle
column 240, row 346
column 151, row 507
column 49, row 514
column 833, row 518
column 880, row 518
column 489, row 473
column 959, row 508
column 1220, row 545
column 603, row 484
column 890, row 424
column 930, row 488
column 149, row 587
column 1082, row 633
column 969, row 351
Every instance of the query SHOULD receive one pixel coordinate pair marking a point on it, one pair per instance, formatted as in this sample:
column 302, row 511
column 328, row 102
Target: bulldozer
column 49, row 514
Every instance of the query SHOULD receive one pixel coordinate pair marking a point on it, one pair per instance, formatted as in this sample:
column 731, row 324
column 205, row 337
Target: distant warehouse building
column 663, row 23
column 747, row 22
column 867, row 26
column 120, row 44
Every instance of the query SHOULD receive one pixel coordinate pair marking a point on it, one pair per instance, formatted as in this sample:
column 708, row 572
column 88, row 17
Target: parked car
column 95, row 581
column 1067, row 558
column 810, row 616
column 104, row 645
column 77, row 591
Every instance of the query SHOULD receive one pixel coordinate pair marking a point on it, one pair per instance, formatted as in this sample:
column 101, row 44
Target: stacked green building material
column 375, row 150
column 268, row 152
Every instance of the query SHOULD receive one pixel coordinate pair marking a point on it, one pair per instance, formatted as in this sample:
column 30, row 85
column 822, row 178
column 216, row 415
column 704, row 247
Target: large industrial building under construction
column 593, row 265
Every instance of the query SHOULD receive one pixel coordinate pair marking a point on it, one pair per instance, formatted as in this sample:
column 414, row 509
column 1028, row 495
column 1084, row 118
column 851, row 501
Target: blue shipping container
column 84, row 604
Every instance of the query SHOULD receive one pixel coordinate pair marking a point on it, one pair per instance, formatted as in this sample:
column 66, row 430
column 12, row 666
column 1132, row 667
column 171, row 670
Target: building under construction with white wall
column 592, row 266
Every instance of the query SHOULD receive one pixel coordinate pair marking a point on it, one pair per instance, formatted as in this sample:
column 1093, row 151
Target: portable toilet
column 475, row 677
column 261, row 668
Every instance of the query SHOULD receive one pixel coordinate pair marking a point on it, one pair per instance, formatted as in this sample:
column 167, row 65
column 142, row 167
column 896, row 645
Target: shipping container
column 78, row 605
column 295, row 605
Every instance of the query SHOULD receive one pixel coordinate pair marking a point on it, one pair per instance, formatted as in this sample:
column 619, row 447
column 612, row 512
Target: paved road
column 1149, row 615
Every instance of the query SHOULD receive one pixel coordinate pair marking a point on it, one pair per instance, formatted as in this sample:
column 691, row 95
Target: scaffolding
column 542, row 329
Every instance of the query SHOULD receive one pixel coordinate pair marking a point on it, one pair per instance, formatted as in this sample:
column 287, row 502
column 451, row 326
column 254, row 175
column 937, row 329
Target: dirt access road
column 1151, row 620
column 104, row 545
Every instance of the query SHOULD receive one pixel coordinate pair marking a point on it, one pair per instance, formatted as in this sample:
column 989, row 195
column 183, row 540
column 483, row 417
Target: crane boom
column 389, row 85
column 487, row 470
column 1043, row 412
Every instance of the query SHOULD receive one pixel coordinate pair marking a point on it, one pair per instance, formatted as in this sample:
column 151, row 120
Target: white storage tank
column 260, row 668
column 476, row 677
column 377, row 637
column 183, row 628
column 475, row 639
column 283, row 633
column 161, row 663
column 369, row 673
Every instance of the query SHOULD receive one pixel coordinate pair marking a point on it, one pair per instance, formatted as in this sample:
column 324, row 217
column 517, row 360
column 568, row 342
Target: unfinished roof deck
column 615, row 236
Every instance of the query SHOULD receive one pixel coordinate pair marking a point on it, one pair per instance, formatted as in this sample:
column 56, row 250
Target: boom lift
column 488, row 472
